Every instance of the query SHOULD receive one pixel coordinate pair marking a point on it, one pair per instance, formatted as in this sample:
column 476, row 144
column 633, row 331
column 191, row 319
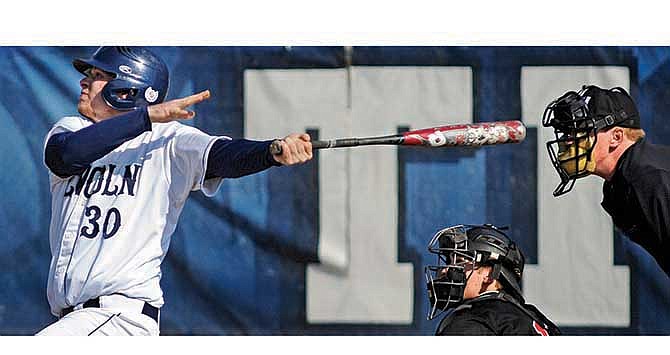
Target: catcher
column 476, row 280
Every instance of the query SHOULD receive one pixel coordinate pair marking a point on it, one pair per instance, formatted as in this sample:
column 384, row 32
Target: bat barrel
column 468, row 135
column 462, row 135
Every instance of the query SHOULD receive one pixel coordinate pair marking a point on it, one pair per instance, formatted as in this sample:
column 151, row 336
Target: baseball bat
column 456, row 135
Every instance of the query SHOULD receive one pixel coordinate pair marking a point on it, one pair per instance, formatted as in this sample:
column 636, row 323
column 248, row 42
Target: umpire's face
column 604, row 154
column 91, row 103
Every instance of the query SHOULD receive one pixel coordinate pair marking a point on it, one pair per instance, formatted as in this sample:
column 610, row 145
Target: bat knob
column 275, row 147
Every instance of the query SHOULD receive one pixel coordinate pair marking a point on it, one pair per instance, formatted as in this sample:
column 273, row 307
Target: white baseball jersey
column 111, row 225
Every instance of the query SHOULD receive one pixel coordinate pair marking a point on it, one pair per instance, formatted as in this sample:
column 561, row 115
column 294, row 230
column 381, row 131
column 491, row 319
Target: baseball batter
column 120, row 174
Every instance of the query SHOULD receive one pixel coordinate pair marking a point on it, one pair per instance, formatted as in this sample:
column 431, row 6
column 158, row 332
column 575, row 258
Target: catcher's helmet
column 463, row 246
column 576, row 118
column 137, row 71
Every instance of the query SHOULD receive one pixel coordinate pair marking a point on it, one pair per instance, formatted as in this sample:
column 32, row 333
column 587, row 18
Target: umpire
column 598, row 132
column 476, row 281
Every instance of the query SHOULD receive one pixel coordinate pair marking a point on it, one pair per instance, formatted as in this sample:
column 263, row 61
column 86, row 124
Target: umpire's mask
column 576, row 118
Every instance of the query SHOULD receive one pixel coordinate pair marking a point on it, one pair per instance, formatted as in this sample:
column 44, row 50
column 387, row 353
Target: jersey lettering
column 92, row 180
column 93, row 212
column 81, row 178
column 106, row 192
column 106, row 233
column 129, row 179
column 93, row 228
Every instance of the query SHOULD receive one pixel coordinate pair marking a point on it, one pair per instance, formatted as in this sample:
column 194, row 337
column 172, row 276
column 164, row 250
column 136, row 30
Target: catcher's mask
column 576, row 118
column 461, row 249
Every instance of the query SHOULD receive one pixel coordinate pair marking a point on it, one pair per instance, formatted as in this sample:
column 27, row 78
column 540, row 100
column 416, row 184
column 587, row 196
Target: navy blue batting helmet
column 137, row 72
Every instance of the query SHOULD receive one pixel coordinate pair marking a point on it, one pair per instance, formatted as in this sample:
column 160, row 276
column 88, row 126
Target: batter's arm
column 70, row 153
column 238, row 157
column 241, row 157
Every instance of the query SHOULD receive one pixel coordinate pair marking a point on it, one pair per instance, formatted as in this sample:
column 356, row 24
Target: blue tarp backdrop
column 239, row 262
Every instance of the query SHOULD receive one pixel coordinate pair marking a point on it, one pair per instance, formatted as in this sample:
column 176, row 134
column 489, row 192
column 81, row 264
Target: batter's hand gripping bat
column 457, row 135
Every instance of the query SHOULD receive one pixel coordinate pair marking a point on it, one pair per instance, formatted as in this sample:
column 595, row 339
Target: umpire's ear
column 616, row 137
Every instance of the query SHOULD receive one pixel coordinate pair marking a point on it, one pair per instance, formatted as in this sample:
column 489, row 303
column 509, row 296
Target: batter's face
column 91, row 104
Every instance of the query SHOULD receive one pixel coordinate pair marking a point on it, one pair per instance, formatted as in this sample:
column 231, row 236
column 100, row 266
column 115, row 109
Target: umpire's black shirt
column 638, row 198
column 495, row 313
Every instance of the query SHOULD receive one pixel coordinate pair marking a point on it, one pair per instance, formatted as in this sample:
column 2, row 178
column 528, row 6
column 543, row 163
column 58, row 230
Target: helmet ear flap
column 495, row 271
column 120, row 95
